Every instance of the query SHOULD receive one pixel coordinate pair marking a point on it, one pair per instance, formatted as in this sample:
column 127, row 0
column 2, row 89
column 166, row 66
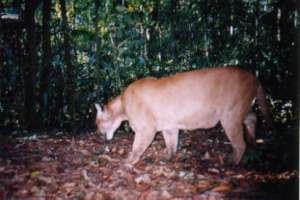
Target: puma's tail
column 263, row 104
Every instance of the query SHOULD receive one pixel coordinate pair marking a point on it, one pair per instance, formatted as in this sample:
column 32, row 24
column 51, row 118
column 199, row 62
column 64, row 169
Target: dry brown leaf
column 165, row 195
column 114, row 149
column 85, row 152
column 85, row 175
column 121, row 151
column 22, row 193
column 221, row 159
column 71, row 184
column 100, row 196
column 2, row 168
column 106, row 157
column 164, row 171
column 47, row 180
column 89, row 196
column 152, row 195
column 144, row 178
column 206, row 156
column 204, row 185
column 224, row 187
column 213, row 170
column 68, row 187
column 211, row 197
column 239, row 176
column 229, row 173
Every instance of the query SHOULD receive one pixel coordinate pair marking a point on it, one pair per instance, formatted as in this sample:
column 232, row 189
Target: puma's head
column 107, row 122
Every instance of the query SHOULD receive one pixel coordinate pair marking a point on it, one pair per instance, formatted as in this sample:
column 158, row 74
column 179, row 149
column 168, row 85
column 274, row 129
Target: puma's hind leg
column 250, row 125
column 171, row 140
column 234, row 131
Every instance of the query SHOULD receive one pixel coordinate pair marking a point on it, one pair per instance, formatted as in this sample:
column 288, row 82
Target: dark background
column 58, row 58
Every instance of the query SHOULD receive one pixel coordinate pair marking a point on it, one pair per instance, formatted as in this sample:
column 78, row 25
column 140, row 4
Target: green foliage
column 116, row 42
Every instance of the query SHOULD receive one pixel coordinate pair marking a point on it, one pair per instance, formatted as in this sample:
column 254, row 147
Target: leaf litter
column 87, row 167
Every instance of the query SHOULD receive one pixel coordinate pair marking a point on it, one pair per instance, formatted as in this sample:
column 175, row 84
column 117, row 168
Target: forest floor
column 87, row 167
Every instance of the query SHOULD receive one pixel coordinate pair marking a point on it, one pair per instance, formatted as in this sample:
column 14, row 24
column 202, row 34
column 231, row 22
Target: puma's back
column 190, row 100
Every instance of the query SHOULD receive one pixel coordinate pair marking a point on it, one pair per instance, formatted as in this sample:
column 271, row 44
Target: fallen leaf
column 121, row 151
column 206, row 156
column 69, row 187
column 260, row 141
column 204, row 185
column 100, row 196
column 223, row 187
column 106, row 157
column 144, row 178
column 221, row 159
column 238, row 176
column 229, row 173
column 164, row 171
column 45, row 179
column 114, row 149
column 165, row 195
column 2, row 168
column 200, row 176
column 85, row 152
column 35, row 174
column 213, row 170
column 84, row 174
column 71, row 184
column 152, row 195
column 22, row 193
column 46, row 159
column 89, row 196
column 106, row 149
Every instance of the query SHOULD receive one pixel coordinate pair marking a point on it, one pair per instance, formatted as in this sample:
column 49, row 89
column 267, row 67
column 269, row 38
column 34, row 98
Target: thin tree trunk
column 56, row 113
column 97, row 43
column 46, row 66
column 174, row 4
column 70, row 69
column 19, row 52
column 30, row 65
column 154, row 42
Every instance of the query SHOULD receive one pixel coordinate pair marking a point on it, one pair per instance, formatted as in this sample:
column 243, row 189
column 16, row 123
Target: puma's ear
column 99, row 109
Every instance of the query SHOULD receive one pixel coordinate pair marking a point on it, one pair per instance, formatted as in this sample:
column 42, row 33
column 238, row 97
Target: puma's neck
column 115, row 106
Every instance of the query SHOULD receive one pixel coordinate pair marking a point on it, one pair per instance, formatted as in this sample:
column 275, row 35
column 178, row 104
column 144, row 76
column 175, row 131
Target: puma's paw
column 132, row 159
column 167, row 155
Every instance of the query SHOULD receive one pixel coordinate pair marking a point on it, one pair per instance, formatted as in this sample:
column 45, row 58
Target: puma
column 188, row 100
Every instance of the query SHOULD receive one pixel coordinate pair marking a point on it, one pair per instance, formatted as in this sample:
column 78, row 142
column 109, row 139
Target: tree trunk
column 174, row 32
column 70, row 69
column 46, row 62
column 97, row 43
column 56, row 111
column 30, row 66
column 19, row 53
column 154, row 43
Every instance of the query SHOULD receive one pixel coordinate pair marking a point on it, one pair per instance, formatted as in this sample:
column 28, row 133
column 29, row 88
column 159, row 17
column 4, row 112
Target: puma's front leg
column 171, row 140
column 141, row 141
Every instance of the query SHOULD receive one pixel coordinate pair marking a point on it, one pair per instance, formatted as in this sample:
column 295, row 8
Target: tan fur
column 189, row 100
